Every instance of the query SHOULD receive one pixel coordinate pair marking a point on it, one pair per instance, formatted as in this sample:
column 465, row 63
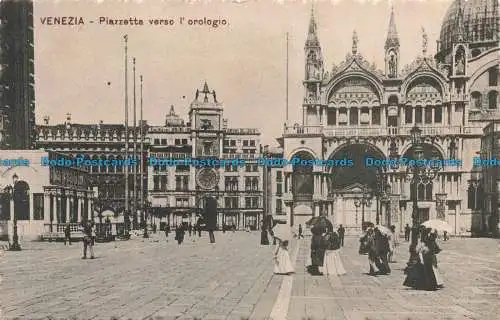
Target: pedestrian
column 317, row 250
column 415, row 274
column 190, row 229
column 370, row 246
column 445, row 236
column 166, row 233
column 393, row 243
column 67, row 234
column 433, row 279
column 407, row 232
column 332, row 263
column 282, row 263
column 383, row 248
column 341, row 233
column 264, row 238
column 300, row 232
column 88, row 243
column 179, row 234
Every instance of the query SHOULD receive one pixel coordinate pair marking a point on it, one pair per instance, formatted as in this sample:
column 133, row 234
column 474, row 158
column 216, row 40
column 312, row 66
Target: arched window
column 493, row 77
column 492, row 100
column 477, row 100
column 423, row 191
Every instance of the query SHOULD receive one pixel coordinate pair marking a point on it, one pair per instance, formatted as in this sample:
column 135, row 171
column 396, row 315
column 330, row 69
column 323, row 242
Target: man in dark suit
column 341, row 232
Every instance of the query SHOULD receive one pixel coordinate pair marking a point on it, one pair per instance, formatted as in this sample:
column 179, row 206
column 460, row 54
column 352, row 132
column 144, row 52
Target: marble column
column 79, row 207
column 68, row 209
column 46, row 207
column 30, row 197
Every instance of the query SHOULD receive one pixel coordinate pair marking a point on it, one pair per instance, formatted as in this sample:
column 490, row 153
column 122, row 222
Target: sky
column 80, row 69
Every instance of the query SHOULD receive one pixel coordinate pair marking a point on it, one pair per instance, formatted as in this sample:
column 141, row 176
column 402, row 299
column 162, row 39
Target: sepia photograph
column 249, row 159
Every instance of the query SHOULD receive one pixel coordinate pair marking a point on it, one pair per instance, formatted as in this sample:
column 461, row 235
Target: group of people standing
column 325, row 248
column 380, row 248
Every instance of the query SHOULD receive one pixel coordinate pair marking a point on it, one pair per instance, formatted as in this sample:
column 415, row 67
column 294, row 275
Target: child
column 283, row 264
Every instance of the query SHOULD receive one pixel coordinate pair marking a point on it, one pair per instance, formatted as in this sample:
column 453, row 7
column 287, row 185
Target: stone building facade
column 354, row 110
column 176, row 193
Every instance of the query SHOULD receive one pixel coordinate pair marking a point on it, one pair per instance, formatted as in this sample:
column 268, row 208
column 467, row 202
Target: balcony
column 372, row 131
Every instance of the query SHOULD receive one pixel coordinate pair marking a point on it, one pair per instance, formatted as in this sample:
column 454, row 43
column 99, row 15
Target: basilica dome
column 480, row 20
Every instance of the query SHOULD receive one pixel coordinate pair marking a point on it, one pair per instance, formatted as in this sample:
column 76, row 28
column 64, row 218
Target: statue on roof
column 197, row 94
column 215, row 96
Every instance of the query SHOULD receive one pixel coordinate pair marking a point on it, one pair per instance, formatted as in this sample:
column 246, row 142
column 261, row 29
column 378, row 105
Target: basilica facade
column 354, row 111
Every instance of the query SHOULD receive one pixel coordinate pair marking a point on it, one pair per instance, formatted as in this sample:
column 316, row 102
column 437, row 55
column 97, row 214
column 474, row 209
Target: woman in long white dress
column 282, row 261
column 333, row 263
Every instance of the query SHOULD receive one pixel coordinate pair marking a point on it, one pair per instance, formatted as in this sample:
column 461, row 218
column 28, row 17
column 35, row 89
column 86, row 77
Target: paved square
column 233, row 279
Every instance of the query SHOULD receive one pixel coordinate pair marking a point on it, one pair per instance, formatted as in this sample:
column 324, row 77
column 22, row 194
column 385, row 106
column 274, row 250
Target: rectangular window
column 156, row 141
column 156, row 183
column 438, row 114
column 418, row 115
column 331, row 117
column 252, row 143
column 163, row 142
column 184, row 141
column 428, row 115
column 408, row 115
column 163, row 183
column 376, row 115
column 233, row 143
column 38, row 206
column 353, row 116
column 245, row 143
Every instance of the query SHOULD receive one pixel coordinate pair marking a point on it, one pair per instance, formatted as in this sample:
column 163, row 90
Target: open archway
column 360, row 172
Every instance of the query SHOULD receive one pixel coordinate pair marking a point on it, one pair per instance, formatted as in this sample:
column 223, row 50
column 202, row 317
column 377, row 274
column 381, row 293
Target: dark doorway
column 21, row 200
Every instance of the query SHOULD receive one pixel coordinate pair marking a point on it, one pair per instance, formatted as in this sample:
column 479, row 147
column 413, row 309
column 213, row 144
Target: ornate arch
column 436, row 146
column 490, row 63
column 296, row 151
column 342, row 77
column 345, row 145
column 425, row 74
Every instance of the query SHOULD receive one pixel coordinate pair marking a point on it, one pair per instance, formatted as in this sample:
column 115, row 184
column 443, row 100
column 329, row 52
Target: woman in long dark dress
column 318, row 248
column 415, row 273
column 429, row 251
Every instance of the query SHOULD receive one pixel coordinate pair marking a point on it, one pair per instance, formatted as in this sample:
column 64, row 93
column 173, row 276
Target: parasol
column 438, row 225
column 282, row 232
column 383, row 230
column 320, row 222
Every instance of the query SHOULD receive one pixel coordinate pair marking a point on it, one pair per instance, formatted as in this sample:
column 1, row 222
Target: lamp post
column 13, row 195
column 365, row 200
column 422, row 172
column 147, row 205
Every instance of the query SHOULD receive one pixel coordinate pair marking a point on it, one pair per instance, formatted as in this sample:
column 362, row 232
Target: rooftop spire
column 459, row 24
column 312, row 35
column 355, row 41
column 392, row 35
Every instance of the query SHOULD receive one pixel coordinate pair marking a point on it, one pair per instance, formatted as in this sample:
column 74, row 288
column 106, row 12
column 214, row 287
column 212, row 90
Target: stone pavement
column 135, row 280
column 233, row 279
column 469, row 268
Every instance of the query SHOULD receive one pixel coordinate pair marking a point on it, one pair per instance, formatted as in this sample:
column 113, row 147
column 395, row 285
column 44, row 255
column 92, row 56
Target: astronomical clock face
column 207, row 178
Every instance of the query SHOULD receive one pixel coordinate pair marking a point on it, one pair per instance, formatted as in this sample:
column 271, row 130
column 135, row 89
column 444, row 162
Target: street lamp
column 147, row 205
column 365, row 200
column 13, row 195
column 422, row 172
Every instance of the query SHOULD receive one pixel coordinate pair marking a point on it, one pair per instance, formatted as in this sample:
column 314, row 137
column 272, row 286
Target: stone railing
column 372, row 131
